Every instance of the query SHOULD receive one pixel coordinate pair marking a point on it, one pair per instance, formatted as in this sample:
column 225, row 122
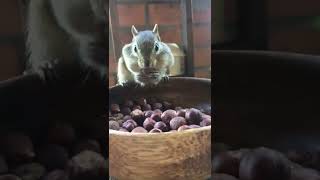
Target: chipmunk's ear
column 156, row 31
column 134, row 31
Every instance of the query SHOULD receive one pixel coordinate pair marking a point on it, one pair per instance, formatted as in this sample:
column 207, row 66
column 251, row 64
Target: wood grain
column 177, row 155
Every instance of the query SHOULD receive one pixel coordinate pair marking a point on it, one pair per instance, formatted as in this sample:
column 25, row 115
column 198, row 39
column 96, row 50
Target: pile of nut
column 154, row 116
column 264, row 164
column 61, row 154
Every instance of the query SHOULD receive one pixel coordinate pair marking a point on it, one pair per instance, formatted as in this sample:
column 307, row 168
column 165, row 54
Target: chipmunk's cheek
column 134, row 67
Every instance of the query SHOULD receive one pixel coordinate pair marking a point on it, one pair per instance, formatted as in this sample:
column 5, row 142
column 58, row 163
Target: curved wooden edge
column 172, row 79
column 188, row 131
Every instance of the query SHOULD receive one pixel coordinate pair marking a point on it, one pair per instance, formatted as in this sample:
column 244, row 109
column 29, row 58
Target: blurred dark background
column 12, row 46
column 285, row 25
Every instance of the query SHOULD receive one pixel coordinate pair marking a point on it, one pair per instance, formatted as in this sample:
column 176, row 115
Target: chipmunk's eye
column 135, row 49
column 156, row 47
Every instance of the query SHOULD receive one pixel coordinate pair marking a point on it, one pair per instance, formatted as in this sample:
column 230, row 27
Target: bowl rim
column 206, row 80
column 188, row 131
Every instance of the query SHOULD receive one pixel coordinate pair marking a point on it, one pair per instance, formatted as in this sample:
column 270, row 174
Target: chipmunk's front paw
column 48, row 70
column 166, row 78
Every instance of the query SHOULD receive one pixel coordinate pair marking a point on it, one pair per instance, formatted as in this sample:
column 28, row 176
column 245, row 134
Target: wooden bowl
column 165, row 156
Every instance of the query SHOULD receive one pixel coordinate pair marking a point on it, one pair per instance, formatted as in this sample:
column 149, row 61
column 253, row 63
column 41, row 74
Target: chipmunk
column 146, row 60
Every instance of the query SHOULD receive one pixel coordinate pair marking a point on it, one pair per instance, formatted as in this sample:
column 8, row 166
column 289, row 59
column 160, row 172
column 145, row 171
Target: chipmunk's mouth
column 148, row 77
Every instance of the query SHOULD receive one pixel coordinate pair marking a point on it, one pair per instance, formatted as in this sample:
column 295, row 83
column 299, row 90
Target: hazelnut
column 156, row 115
column 121, row 122
column 129, row 125
column 167, row 115
column 136, row 107
column 176, row 122
column 226, row 164
column 149, row 123
column 32, row 171
column 9, row 177
column 205, row 122
column 167, row 105
column 17, row 148
column 146, row 107
column 141, row 101
column 139, row 130
column 193, row 116
column 115, row 108
column 87, row 144
column 181, row 112
column 123, row 130
column 157, row 106
column 114, row 125
column 193, row 126
column 118, row 116
column 125, row 111
column 87, row 165
column 155, row 130
column 184, row 127
column 53, row 156
column 138, row 116
column 3, row 165
column 127, row 117
column 161, row 125
column 148, row 113
column 128, row 103
column 151, row 100
column 57, row 175
column 178, row 108
column 264, row 164
column 61, row 133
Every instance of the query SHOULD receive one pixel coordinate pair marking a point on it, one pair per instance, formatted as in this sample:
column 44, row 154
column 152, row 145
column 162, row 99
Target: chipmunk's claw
column 166, row 78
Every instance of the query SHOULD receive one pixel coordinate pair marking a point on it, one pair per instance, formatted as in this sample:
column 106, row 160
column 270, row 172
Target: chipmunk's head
column 151, row 54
